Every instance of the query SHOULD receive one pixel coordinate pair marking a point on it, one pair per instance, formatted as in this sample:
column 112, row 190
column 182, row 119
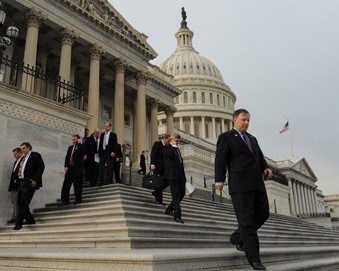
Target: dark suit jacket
column 174, row 169
column 34, row 168
column 111, row 147
column 91, row 148
column 157, row 157
column 142, row 160
column 13, row 184
column 118, row 154
column 78, row 158
column 244, row 168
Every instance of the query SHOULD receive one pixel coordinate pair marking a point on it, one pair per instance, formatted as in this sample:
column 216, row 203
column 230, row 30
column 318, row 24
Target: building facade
column 75, row 64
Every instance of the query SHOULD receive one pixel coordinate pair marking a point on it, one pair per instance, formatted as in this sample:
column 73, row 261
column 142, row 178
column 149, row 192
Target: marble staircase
column 118, row 227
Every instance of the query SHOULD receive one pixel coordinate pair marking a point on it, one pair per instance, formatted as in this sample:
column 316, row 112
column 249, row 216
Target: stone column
column 300, row 198
column 192, row 125
column 96, row 52
column 119, row 99
column 306, row 199
column 140, row 130
column 213, row 128
column 291, row 197
column 309, row 189
column 35, row 19
column 222, row 125
column 169, row 111
column 40, row 84
column 295, row 195
column 181, row 124
column 68, row 36
column 154, row 120
column 7, row 70
column 315, row 200
column 203, row 126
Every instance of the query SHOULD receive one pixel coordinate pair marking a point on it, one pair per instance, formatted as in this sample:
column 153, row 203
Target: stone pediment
column 103, row 13
column 304, row 168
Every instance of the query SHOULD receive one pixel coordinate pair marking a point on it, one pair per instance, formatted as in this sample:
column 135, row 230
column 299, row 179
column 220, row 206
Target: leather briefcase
column 153, row 181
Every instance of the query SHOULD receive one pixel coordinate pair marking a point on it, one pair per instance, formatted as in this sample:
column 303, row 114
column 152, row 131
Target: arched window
column 211, row 98
column 224, row 101
column 196, row 130
column 187, row 127
column 194, row 97
column 203, row 97
column 218, row 99
column 185, row 97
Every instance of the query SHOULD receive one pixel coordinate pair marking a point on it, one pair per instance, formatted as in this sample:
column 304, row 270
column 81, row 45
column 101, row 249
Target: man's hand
column 268, row 174
column 152, row 167
column 85, row 157
column 112, row 154
column 66, row 169
column 219, row 186
column 33, row 183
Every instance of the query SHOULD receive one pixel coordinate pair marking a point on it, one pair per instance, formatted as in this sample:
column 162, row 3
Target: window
column 127, row 119
column 218, row 99
column 185, row 97
column 211, row 98
column 203, row 97
column 106, row 112
column 224, row 101
column 194, row 97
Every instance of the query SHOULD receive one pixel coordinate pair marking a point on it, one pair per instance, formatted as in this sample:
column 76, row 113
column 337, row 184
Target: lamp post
column 7, row 36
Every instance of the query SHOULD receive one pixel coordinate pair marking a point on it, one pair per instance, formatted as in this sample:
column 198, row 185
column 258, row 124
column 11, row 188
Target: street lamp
column 7, row 36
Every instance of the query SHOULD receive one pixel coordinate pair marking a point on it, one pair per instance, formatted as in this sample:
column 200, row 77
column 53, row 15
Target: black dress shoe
column 77, row 202
column 29, row 222
column 258, row 266
column 179, row 220
column 63, row 204
column 239, row 246
column 11, row 221
column 160, row 203
column 16, row 228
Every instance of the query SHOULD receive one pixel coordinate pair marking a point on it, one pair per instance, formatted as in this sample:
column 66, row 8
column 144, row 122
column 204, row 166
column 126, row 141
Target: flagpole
column 291, row 147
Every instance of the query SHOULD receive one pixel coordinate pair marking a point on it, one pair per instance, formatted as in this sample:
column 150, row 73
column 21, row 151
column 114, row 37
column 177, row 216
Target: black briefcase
column 151, row 181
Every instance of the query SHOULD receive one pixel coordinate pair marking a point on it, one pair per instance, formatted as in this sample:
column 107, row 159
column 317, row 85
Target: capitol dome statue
column 206, row 104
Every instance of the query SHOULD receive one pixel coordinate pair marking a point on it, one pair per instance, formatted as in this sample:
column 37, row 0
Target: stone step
column 276, row 259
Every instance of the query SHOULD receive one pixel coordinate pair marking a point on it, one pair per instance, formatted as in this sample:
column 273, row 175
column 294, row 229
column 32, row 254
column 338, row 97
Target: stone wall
column 48, row 127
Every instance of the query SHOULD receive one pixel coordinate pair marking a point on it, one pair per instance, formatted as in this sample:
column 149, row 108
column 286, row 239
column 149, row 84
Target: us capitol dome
column 206, row 104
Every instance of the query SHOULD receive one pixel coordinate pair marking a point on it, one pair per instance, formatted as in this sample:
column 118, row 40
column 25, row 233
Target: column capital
column 169, row 111
column 142, row 77
column 96, row 51
column 120, row 65
column 154, row 103
column 68, row 36
column 35, row 18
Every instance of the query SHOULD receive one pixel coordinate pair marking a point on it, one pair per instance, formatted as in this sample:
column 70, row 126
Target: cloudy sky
column 281, row 58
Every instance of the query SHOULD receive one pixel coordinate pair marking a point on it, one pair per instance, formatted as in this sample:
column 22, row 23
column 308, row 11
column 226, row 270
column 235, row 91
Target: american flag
column 284, row 128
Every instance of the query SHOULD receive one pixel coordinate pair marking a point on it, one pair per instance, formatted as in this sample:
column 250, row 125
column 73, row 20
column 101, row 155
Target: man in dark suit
column 117, row 164
column 92, row 157
column 107, row 150
column 175, row 175
column 142, row 163
column 74, row 168
column 30, row 172
column 158, row 164
column 238, row 152
column 13, row 184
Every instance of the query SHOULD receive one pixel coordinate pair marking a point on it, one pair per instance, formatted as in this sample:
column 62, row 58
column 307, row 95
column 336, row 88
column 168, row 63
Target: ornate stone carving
column 39, row 118
column 35, row 18
column 142, row 77
column 68, row 36
column 169, row 111
column 120, row 65
column 96, row 51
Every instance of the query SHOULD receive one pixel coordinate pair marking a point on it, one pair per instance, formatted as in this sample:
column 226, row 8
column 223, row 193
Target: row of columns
column 202, row 125
column 35, row 19
column 303, row 198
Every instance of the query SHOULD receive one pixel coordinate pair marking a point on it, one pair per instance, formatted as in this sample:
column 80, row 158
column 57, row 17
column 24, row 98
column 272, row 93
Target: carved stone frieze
column 29, row 115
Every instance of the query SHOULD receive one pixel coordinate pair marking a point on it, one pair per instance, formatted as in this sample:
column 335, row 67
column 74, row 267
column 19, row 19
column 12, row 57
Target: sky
column 280, row 58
